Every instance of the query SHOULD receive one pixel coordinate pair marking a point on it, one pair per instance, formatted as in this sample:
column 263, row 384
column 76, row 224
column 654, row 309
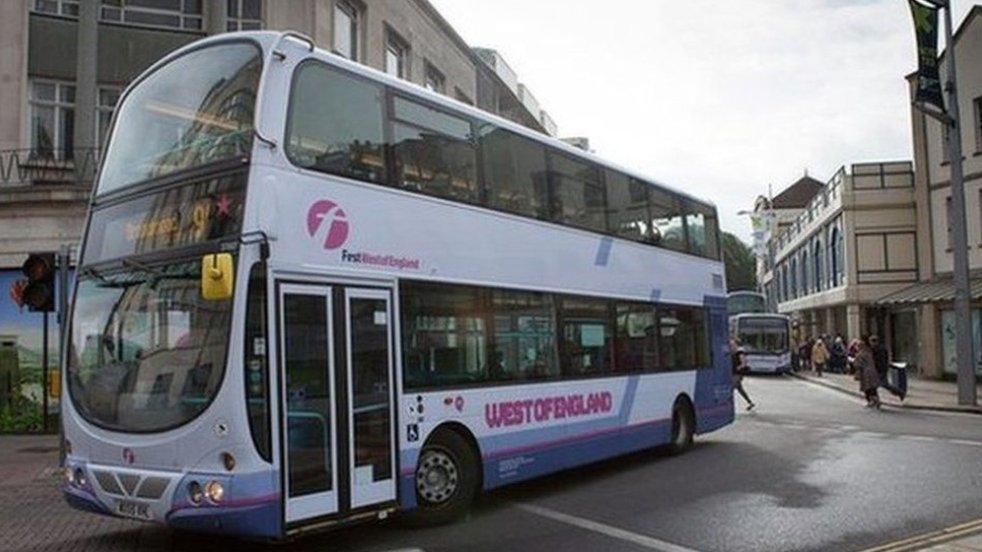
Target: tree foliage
column 741, row 266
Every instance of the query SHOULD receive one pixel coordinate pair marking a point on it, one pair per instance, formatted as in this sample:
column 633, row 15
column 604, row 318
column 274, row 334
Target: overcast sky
column 720, row 98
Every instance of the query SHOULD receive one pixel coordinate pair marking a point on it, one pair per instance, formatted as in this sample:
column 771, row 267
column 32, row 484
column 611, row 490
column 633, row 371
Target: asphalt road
column 810, row 469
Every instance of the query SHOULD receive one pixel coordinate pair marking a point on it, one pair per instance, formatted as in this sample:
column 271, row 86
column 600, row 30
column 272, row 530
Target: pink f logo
column 337, row 232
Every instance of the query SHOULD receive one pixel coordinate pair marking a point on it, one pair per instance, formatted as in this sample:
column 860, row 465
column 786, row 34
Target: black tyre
column 683, row 427
column 447, row 478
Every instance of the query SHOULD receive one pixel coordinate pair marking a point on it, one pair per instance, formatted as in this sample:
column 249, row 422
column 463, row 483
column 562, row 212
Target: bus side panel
column 633, row 413
column 714, row 386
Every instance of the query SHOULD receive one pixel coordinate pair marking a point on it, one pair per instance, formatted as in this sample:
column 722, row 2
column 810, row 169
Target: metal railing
column 44, row 166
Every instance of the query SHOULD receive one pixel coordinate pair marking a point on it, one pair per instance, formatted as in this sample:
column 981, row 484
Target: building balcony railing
column 44, row 167
column 864, row 177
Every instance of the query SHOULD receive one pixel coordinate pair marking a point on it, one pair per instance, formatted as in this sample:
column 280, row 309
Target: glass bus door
column 337, row 365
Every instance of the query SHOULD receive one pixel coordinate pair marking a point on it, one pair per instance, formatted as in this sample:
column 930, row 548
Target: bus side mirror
column 216, row 276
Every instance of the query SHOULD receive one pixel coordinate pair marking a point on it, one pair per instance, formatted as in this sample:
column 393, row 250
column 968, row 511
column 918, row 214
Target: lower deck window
column 465, row 335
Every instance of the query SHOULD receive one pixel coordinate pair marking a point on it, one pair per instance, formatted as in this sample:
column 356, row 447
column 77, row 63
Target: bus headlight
column 69, row 476
column 214, row 491
column 79, row 477
column 195, row 493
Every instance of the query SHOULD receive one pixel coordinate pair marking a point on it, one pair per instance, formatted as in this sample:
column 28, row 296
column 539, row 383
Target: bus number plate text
column 134, row 510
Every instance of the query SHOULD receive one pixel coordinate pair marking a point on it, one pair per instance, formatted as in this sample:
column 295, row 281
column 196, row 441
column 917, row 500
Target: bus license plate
column 133, row 510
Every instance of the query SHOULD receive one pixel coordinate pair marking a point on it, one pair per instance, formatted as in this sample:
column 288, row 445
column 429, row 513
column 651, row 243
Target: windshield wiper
column 146, row 269
column 89, row 271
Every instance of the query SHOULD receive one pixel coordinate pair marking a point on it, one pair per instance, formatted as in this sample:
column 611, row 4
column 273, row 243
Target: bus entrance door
column 337, row 365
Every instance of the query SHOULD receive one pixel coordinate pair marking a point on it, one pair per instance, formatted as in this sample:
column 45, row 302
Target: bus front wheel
column 683, row 426
column 446, row 478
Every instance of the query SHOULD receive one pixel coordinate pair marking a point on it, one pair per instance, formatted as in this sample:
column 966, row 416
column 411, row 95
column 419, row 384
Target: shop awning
column 930, row 292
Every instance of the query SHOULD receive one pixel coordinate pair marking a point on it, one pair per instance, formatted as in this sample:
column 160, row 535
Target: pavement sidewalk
column 921, row 394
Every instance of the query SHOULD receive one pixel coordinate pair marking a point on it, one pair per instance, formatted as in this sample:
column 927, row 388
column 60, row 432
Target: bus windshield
column 195, row 110
column 744, row 302
column 763, row 335
column 147, row 353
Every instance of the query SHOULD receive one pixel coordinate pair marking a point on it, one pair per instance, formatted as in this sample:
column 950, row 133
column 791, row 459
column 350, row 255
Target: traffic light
column 38, row 292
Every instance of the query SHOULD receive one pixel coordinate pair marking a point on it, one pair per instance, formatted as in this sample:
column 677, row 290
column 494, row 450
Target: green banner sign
column 928, row 79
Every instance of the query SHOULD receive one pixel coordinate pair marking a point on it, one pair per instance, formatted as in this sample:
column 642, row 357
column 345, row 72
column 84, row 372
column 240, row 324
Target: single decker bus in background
column 765, row 337
column 742, row 302
column 310, row 294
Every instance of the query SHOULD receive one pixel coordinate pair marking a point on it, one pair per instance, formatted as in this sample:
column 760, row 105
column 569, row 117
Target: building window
column 950, row 236
column 435, row 80
column 396, row 55
column 245, row 15
column 346, row 30
column 58, row 7
column 461, row 96
column 819, row 276
column 978, row 123
column 945, row 152
column 805, row 279
column 171, row 14
column 52, row 112
column 793, row 285
column 105, row 105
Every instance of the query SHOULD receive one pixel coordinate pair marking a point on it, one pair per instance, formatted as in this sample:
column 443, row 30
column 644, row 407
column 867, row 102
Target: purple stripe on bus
column 603, row 251
column 559, row 442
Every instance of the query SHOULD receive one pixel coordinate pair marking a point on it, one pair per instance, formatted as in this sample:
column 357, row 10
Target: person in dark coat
column 739, row 360
column 882, row 359
column 869, row 379
column 837, row 361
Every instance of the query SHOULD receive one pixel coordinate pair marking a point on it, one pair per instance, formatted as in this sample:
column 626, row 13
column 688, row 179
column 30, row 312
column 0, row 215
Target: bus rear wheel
column 683, row 426
column 446, row 478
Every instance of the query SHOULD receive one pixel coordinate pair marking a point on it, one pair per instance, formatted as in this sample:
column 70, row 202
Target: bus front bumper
column 249, row 505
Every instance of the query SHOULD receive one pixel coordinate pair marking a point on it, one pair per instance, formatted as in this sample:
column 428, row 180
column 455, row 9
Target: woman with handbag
column 869, row 378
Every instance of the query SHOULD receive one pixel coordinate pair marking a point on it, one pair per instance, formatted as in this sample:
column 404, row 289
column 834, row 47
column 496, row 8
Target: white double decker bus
column 311, row 294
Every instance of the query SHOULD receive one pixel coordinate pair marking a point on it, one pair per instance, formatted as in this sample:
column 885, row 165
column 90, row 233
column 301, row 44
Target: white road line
column 604, row 529
column 924, row 438
column 965, row 442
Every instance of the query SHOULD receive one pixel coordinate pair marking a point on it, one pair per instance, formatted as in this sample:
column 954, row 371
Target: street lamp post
column 950, row 119
column 963, row 313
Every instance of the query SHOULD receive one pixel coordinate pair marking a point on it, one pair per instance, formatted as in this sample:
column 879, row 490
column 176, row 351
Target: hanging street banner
column 928, row 79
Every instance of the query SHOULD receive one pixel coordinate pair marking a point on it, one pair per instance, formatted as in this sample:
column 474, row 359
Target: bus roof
column 271, row 39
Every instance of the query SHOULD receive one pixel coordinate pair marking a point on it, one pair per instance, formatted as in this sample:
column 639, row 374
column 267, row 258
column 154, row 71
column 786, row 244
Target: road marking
column 917, row 438
column 921, row 542
column 965, row 442
column 855, row 431
column 604, row 529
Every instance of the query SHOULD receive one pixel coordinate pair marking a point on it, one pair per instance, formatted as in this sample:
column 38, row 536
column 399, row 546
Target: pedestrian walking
column 837, row 360
column 881, row 358
column 820, row 355
column 806, row 354
column 739, row 360
column 852, row 351
column 869, row 379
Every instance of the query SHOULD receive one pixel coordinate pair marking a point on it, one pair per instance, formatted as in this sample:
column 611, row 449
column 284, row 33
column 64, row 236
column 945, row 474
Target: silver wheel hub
column 436, row 476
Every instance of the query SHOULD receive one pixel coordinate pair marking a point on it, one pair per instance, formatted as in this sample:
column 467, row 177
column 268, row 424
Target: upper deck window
column 345, row 124
column 433, row 152
column 335, row 124
column 195, row 110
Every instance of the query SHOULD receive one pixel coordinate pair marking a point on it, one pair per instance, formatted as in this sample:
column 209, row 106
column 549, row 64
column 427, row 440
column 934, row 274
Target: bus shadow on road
column 648, row 483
